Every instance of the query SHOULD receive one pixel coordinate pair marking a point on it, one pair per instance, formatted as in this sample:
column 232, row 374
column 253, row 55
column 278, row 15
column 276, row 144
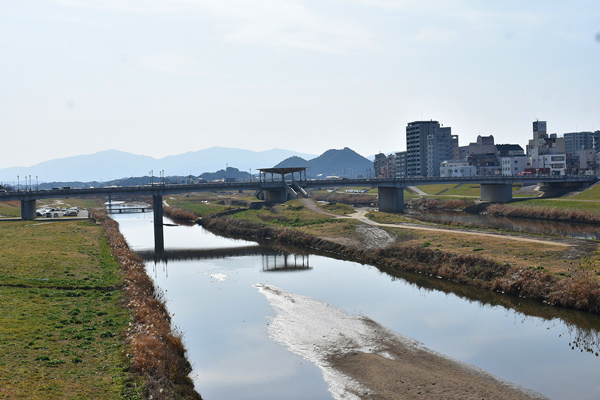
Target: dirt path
column 360, row 216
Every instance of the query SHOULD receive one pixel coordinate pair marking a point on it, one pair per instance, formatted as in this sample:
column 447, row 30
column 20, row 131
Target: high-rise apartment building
column 575, row 141
column 427, row 145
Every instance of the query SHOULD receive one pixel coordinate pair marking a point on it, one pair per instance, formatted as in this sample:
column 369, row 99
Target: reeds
column 543, row 213
column 179, row 214
column 425, row 203
column 157, row 351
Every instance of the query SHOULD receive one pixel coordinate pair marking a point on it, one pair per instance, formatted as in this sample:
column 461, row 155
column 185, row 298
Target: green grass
column 290, row 214
column 10, row 208
column 464, row 190
column 338, row 208
column 386, row 218
column 60, row 317
column 200, row 207
column 65, row 254
column 436, row 189
column 589, row 194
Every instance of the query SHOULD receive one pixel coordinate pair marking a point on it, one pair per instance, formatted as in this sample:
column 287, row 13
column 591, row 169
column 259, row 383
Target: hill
column 345, row 163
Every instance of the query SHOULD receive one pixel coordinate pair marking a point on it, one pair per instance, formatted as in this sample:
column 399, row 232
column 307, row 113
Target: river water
column 240, row 348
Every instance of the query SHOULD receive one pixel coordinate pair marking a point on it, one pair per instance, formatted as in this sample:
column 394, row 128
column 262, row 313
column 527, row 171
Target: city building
column 575, row 141
column 543, row 140
column 391, row 165
column 380, row 165
column 515, row 164
column 454, row 168
column 427, row 145
column 588, row 161
column 401, row 164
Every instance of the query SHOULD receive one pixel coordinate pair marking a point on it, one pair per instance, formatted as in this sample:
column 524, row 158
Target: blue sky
column 163, row 77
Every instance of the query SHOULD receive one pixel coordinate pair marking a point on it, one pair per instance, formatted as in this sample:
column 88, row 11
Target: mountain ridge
column 116, row 164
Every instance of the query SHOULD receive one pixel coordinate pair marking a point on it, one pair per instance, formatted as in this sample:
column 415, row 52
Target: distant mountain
column 345, row 163
column 227, row 173
column 113, row 164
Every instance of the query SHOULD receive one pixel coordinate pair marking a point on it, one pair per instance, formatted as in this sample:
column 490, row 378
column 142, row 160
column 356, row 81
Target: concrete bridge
column 391, row 190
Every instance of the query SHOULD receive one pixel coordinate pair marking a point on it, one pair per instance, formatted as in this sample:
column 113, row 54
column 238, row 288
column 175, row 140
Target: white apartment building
column 557, row 163
column 514, row 165
column 452, row 168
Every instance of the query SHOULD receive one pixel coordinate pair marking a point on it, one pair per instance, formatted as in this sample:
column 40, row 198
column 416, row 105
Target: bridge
column 494, row 188
column 390, row 190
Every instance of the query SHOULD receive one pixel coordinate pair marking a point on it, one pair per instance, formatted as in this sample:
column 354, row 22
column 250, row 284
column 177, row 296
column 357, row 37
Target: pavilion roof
column 282, row 171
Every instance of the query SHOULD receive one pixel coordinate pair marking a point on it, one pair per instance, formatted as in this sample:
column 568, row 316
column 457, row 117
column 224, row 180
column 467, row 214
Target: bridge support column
column 159, row 238
column 391, row 199
column 276, row 195
column 28, row 209
column 496, row 193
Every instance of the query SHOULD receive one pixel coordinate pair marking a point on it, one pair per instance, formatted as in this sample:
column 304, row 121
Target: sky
column 164, row 77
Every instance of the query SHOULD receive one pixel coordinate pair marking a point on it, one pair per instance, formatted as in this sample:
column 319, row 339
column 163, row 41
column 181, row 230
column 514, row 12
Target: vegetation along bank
column 564, row 276
column 157, row 351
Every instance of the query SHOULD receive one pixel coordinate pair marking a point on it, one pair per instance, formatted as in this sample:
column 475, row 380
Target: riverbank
column 157, row 351
column 61, row 314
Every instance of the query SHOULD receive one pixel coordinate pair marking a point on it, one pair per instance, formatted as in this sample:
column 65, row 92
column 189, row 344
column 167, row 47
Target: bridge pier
column 496, row 193
column 275, row 195
column 159, row 238
column 391, row 199
column 28, row 208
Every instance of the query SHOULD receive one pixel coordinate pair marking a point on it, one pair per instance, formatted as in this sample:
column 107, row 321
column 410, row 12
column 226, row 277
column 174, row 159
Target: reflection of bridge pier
column 282, row 262
column 159, row 237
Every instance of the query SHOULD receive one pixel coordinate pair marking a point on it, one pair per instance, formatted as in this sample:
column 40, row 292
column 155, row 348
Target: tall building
column 380, row 166
column 427, row 145
column 401, row 164
column 439, row 149
column 546, row 144
column 575, row 141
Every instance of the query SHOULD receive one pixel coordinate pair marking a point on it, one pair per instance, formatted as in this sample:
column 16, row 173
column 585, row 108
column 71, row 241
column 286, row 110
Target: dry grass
column 345, row 198
column 436, row 204
column 157, row 351
column 543, row 213
column 179, row 214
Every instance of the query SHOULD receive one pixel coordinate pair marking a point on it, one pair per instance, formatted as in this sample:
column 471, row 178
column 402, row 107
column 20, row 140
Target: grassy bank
column 61, row 319
column 157, row 350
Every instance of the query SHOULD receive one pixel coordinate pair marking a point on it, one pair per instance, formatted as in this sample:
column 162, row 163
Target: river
column 240, row 348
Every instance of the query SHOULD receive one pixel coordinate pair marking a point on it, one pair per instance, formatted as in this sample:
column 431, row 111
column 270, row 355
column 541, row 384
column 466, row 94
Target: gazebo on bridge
column 283, row 172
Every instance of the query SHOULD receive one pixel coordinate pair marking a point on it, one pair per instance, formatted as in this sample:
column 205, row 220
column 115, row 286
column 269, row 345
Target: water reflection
column 543, row 227
column 550, row 350
column 285, row 262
